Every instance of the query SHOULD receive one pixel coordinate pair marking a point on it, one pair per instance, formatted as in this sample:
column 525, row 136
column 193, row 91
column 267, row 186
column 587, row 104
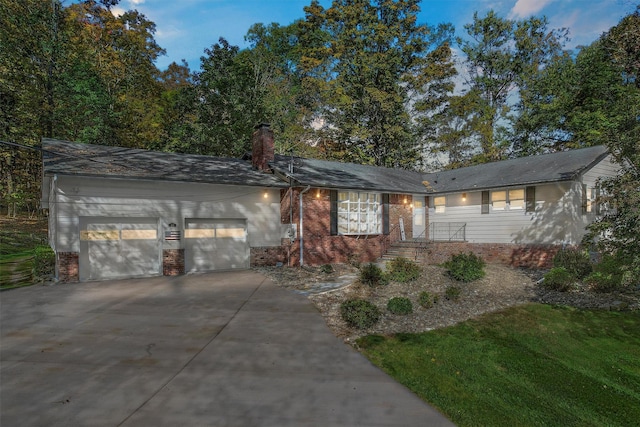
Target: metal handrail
column 448, row 231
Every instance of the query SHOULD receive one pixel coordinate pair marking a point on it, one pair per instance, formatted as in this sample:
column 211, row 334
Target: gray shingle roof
column 71, row 158
column 337, row 175
column 561, row 166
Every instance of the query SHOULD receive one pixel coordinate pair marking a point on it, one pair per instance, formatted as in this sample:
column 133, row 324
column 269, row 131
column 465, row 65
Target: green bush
column 575, row 261
column 359, row 313
column 452, row 293
column 44, row 262
column 608, row 275
column 326, row 268
column 400, row 305
column 426, row 300
column 558, row 279
column 465, row 267
column 372, row 275
column 403, row 270
column 602, row 282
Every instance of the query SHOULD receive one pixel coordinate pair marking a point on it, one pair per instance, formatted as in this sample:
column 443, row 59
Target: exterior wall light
column 464, row 197
column 266, row 194
column 318, row 194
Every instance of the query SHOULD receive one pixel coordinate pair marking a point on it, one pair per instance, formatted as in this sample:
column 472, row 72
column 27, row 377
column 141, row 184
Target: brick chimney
column 262, row 152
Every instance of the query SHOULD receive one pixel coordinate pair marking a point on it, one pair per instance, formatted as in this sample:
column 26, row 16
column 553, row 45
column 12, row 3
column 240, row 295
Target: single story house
column 118, row 212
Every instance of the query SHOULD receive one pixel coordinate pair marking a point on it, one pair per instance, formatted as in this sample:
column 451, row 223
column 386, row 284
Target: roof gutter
column 301, row 227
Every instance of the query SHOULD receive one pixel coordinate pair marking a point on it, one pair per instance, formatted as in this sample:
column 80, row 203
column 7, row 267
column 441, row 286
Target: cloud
column 136, row 2
column 526, row 8
column 117, row 11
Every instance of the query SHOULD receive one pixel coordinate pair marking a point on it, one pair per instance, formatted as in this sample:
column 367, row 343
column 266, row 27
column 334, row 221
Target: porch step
column 403, row 248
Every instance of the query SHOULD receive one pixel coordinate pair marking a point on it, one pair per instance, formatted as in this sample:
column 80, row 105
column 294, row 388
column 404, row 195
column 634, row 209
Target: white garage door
column 215, row 244
column 115, row 248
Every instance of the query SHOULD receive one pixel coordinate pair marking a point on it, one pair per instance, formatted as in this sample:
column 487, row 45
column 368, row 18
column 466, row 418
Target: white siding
column 557, row 219
column 170, row 202
column 605, row 168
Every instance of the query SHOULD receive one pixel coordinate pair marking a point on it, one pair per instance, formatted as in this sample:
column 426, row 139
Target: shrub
column 326, row 268
column 452, row 293
column 372, row 275
column 465, row 267
column 403, row 270
column 575, row 261
column 558, row 279
column 426, row 300
column 602, row 282
column 608, row 275
column 400, row 305
column 359, row 313
column 44, row 262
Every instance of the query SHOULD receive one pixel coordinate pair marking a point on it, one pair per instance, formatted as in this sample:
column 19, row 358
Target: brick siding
column 515, row 255
column 172, row 262
column 68, row 266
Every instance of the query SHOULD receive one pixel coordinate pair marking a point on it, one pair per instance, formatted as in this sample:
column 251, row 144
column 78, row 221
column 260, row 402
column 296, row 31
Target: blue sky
column 186, row 27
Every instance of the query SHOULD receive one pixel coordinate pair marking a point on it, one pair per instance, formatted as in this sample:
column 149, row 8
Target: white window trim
column 362, row 216
column 507, row 200
column 440, row 208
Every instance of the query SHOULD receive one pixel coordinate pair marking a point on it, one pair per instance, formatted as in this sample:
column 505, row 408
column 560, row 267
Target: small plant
column 465, row 267
column 403, row 270
column 608, row 275
column 359, row 313
column 575, row 261
column 426, row 300
column 326, row 268
column 452, row 293
column 372, row 275
column 44, row 262
column 558, row 279
column 400, row 305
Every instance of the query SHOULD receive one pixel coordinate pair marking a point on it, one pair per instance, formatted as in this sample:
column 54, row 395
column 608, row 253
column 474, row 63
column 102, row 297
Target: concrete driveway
column 220, row 349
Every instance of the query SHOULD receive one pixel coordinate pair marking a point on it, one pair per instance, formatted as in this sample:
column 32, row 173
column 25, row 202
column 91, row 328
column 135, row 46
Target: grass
column 528, row 365
column 18, row 239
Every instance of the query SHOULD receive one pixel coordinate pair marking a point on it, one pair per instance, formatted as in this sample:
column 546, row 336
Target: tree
column 618, row 230
column 76, row 72
column 365, row 59
column 503, row 57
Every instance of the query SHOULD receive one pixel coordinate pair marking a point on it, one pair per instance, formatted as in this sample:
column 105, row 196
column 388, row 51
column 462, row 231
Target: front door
column 419, row 218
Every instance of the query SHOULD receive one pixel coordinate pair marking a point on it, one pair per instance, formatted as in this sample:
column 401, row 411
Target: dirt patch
column 502, row 287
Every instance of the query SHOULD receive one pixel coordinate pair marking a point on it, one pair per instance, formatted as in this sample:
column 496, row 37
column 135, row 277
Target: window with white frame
column 359, row 213
column 439, row 204
column 516, row 198
column 590, row 199
column 499, row 200
column 503, row 200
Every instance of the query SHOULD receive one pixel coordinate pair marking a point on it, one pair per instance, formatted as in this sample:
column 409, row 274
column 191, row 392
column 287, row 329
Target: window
column 439, row 204
column 499, row 200
column 359, row 213
column 590, row 199
column 516, row 198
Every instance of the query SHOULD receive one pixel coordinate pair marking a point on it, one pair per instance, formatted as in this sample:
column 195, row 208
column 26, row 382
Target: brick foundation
column 68, row 266
column 527, row 256
column 172, row 262
column 269, row 255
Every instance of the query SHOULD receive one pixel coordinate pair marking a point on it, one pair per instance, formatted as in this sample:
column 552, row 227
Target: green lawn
column 530, row 365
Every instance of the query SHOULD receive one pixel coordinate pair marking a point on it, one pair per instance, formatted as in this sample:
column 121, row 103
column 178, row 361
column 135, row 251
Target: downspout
column 301, row 227
column 53, row 191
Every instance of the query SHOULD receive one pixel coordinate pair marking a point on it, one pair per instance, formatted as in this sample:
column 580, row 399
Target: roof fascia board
column 134, row 178
column 494, row 187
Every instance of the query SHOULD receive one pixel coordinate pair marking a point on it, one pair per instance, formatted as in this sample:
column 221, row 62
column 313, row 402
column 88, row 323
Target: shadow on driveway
column 199, row 350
